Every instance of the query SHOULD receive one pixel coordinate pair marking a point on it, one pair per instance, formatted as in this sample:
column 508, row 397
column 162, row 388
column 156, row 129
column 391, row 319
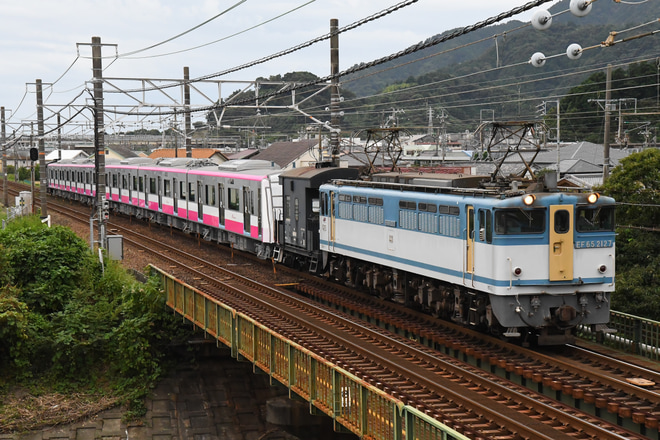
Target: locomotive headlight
column 602, row 268
column 517, row 271
column 529, row 199
column 593, row 197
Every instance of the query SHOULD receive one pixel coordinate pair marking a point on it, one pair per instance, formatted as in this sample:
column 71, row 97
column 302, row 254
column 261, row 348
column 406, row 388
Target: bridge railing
column 352, row 403
column 635, row 335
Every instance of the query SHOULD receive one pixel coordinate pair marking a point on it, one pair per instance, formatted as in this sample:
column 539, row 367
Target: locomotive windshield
column 519, row 221
column 595, row 218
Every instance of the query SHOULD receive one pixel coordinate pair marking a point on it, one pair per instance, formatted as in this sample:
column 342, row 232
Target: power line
column 223, row 38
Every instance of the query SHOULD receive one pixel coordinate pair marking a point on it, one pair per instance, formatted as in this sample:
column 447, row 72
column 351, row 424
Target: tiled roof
column 283, row 153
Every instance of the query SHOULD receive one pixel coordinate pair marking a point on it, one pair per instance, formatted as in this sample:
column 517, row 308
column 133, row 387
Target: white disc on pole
column 574, row 51
column 542, row 20
column 580, row 8
column 537, row 60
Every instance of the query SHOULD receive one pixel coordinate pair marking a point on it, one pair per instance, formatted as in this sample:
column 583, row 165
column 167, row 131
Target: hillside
column 518, row 46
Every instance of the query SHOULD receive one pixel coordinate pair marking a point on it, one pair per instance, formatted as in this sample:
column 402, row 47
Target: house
column 66, row 155
column 290, row 155
column 197, row 153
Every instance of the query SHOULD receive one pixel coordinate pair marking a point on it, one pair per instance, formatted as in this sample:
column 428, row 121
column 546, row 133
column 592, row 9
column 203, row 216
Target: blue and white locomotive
column 513, row 263
column 530, row 263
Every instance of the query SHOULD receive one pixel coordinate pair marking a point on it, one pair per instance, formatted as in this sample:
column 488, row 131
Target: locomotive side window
column 562, row 221
column 593, row 219
column 485, row 226
column 519, row 221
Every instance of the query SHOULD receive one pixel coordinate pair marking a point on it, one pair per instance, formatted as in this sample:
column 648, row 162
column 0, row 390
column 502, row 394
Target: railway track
column 461, row 395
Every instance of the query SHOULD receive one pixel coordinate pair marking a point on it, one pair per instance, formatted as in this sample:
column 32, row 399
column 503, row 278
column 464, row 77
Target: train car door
column 175, row 196
column 159, row 189
column 561, row 243
column 469, row 239
column 246, row 209
column 200, row 201
column 221, row 203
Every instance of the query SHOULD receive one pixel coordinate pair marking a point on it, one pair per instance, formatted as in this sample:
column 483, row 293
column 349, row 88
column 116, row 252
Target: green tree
column 67, row 325
column 635, row 184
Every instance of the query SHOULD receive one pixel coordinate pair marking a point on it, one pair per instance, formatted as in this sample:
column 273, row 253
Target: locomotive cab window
column 562, row 221
column 519, row 221
column 595, row 219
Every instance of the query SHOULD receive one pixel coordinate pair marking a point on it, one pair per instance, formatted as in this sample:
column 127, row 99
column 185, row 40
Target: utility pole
column 43, row 177
column 606, row 141
column 99, row 139
column 5, row 199
column 186, row 109
column 334, row 91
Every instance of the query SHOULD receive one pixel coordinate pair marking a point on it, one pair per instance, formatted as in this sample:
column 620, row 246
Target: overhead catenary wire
column 220, row 39
column 364, row 66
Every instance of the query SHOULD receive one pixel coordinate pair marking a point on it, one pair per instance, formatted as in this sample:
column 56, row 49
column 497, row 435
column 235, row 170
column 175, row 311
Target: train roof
column 239, row 165
column 317, row 176
column 440, row 180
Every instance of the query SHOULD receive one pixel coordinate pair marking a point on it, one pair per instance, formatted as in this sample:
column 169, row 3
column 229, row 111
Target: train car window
column 595, row 219
column 376, row 201
column 124, row 182
column 562, row 221
column 152, row 185
column 114, row 181
column 360, row 199
column 141, row 184
column 234, row 199
column 296, row 208
column 519, row 221
column 167, row 188
column 135, row 187
column 407, row 204
column 191, row 191
column 182, row 190
column 210, row 202
column 345, row 198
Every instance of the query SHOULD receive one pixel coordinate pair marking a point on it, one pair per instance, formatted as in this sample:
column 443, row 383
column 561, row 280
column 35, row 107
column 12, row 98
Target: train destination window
column 520, row 221
column 594, row 219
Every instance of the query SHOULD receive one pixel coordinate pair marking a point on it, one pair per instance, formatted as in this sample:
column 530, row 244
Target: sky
column 50, row 40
